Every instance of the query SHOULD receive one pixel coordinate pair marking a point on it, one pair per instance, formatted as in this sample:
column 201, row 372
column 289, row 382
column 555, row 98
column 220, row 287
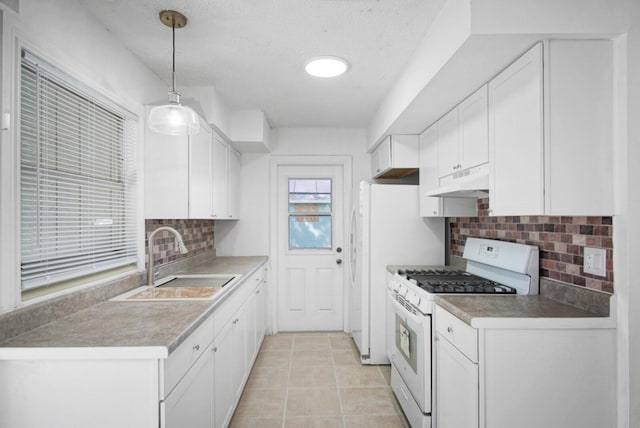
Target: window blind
column 77, row 179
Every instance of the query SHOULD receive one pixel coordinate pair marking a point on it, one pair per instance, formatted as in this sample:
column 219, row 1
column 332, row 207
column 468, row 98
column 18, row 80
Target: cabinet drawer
column 232, row 303
column 183, row 357
column 461, row 335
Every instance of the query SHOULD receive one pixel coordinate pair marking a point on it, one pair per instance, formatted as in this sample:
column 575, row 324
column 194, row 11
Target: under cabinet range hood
column 470, row 183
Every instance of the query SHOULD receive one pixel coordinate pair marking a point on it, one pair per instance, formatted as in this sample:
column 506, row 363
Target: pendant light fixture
column 173, row 118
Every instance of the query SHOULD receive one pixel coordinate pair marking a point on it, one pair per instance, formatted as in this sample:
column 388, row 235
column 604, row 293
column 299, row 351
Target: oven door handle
column 401, row 309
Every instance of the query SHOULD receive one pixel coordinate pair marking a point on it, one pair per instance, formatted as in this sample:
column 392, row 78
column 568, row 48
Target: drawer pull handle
column 215, row 349
column 196, row 347
column 449, row 330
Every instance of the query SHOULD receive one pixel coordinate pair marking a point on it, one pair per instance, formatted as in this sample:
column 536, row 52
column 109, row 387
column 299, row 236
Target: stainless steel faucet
column 179, row 246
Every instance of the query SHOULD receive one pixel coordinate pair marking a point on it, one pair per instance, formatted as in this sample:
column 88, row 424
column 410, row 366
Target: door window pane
column 310, row 220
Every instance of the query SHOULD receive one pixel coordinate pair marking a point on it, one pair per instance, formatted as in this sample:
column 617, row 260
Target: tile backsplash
column 196, row 234
column 561, row 240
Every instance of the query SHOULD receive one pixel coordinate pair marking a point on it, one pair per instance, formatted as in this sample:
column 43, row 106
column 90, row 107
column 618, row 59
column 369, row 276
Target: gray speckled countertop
column 518, row 311
column 136, row 324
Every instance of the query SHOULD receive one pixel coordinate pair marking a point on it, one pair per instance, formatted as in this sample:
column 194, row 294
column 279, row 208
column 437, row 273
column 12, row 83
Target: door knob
column 339, row 249
column 339, row 261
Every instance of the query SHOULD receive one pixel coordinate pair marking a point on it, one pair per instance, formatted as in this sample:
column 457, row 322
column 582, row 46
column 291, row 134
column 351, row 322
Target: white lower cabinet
column 225, row 375
column 190, row 403
column 236, row 347
column 456, row 388
column 525, row 373
column 198, row 385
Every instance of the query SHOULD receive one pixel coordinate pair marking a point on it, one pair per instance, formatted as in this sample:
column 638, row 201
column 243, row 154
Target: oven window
column 406, row 343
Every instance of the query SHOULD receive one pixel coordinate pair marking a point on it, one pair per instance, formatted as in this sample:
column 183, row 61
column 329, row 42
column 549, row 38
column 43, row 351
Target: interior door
column 310, row 235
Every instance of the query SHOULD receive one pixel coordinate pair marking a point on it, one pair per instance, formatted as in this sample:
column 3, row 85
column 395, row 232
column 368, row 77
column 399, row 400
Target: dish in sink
column 181, row 287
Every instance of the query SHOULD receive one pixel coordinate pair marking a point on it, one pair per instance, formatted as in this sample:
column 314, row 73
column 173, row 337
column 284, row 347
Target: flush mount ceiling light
column 173, row 118
column 326, row 66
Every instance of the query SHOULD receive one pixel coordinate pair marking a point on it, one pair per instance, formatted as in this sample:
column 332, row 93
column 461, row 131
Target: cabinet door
column 225, row 376
column 448, row 141
column 191, row 403
column 516, row 137
column 240, row 325
column 430, row 206
column 261, row 313
column 200, row 179
column 220, row 178
column 381, row 158
column 474, row 129
column 456, row 388
column 166, row 176
column 234, row 184
column 250, row 321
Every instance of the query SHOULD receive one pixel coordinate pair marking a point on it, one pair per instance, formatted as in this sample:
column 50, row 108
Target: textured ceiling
column 253, row 51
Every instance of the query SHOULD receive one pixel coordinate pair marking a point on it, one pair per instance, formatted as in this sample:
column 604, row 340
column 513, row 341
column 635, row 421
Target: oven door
column 410, row 349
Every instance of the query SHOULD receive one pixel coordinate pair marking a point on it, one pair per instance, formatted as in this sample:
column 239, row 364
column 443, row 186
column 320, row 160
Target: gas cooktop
column 453, row 281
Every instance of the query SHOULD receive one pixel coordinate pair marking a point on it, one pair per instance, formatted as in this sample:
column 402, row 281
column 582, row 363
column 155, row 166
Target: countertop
column 520, row 312
column 155, row 328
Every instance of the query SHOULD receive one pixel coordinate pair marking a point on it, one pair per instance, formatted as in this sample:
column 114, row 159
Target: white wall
column 250, row 235
column 628, row 288
column 62, row 33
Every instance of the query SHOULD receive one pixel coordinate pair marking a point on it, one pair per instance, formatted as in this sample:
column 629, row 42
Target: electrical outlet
column 595, row 261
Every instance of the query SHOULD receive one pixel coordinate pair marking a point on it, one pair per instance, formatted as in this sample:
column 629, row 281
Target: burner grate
column 453, row 281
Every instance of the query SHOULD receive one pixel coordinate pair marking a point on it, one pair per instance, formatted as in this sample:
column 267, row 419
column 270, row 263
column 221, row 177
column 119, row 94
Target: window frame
column 13, row 42
column 329, row 214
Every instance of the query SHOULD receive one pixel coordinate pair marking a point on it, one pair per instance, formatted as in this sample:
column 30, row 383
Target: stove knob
column 425, row 306
column 402, row 290
column 413, row 299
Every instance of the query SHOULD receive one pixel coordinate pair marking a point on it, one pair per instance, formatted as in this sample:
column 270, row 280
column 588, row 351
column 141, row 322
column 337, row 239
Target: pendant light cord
column 173, row 69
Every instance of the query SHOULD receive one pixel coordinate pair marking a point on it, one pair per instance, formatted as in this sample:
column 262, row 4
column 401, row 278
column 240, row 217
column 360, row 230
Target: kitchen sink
column 181, row 287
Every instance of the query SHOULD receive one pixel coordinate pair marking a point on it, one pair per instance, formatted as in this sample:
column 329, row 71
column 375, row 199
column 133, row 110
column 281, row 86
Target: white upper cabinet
column 220, row 178
column 234, row 183
column 178, row 175
column 550, row 131
column 200, row 177
column 463, row 137
column 226, row 179
column 395, row 157
column 433, row 206
column 191, row 177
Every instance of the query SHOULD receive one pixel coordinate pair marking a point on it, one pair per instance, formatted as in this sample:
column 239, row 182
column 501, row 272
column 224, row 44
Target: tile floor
column 315, row 380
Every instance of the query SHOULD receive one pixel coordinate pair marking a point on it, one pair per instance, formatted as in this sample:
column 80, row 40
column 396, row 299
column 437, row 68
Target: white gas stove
column 493, row 268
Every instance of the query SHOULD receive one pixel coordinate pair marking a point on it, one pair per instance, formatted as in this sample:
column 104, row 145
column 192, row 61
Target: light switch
column 595, row 261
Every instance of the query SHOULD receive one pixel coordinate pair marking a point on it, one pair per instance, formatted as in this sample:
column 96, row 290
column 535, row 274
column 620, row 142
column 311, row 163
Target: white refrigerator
column 386, row 229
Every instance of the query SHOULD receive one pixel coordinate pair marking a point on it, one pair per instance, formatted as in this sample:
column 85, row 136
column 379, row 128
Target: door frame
column 345, row 161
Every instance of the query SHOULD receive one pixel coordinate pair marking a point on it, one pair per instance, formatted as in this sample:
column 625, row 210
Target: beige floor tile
column 312, row 333
column 311, row 343
column 377, row 421
column 311, row 358
column 359, row 376
column 343, row 342
column 266, row 377
column 346, row 357
column 274, row 359
column 386, row 373
column 278, row 342
column 312, row 377
column 256, row 422
column 263, row 403
column 312, row 402
column 314, row 422
column 367, row 401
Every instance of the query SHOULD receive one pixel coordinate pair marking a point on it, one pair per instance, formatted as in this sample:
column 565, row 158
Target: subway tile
column 586, row 230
